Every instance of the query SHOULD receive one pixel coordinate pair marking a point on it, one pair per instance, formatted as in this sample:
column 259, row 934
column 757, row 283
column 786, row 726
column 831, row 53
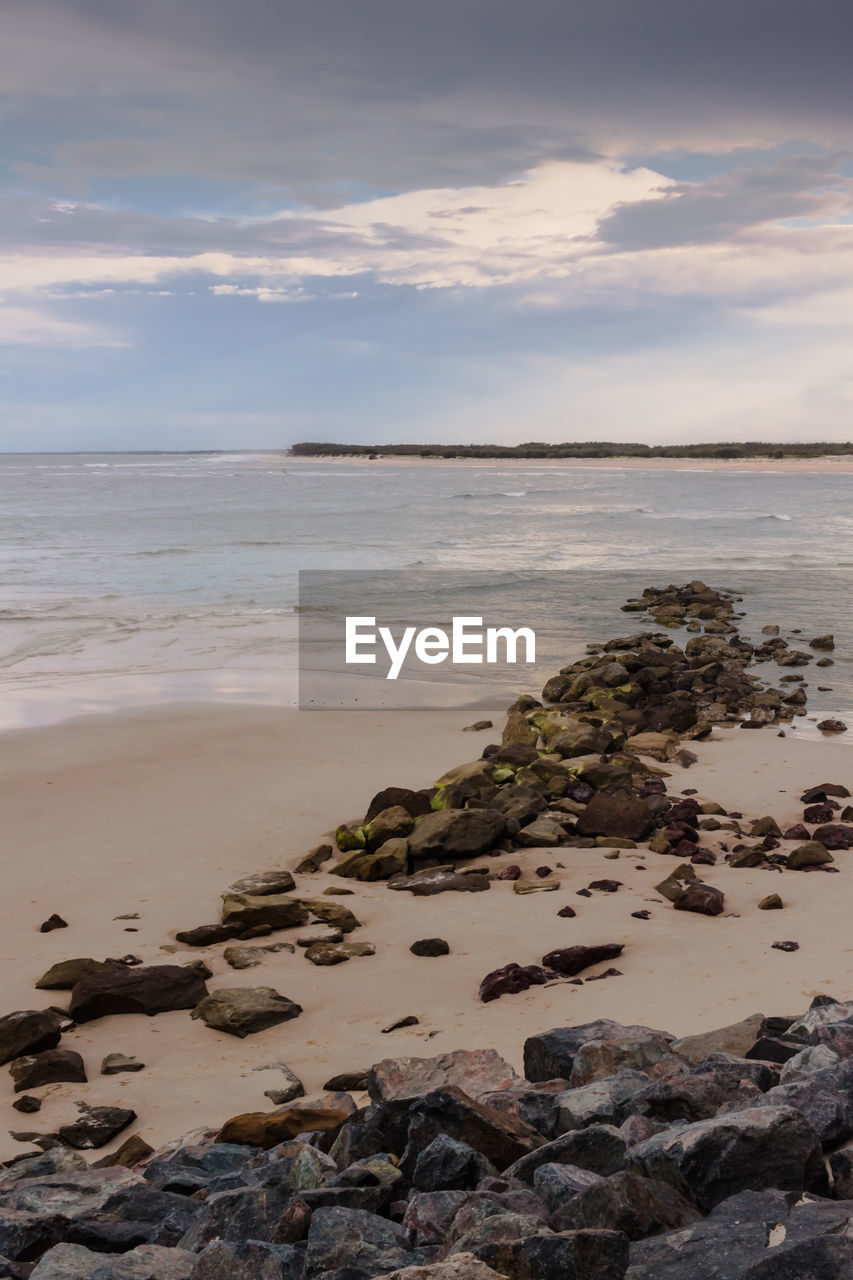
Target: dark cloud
column 701, row 213
column 394, row 93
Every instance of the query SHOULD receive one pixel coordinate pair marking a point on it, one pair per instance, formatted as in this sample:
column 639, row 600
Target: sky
column 246, row 223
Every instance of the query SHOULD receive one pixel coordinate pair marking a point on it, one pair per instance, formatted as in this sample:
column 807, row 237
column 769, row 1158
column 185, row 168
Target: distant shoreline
column 839, row 464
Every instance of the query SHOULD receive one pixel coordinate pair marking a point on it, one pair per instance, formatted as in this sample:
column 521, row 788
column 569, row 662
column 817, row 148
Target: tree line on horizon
column 581, row 449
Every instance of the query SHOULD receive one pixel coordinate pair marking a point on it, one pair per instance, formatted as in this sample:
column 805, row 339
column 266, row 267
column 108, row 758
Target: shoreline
column 828, row 464
column 157, row 813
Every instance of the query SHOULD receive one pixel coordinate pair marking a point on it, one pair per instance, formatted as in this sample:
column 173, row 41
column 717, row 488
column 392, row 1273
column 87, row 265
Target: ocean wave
column 165, row 551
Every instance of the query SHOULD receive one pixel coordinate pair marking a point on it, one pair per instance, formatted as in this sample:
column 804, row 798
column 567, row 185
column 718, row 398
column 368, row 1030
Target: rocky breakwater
column 622, row 1153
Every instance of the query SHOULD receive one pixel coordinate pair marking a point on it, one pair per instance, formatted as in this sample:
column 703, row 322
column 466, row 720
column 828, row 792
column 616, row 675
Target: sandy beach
column 156, row 814
column 839, row 464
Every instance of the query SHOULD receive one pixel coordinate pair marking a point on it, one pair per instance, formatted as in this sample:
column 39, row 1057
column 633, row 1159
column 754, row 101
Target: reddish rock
column 512, row 979
column 569, row 961
column 702, row 898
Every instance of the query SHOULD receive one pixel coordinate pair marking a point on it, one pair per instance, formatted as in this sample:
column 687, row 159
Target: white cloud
column 36, row 326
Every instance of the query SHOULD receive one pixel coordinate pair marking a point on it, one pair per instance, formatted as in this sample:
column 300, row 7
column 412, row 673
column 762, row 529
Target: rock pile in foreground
column 622, row 1153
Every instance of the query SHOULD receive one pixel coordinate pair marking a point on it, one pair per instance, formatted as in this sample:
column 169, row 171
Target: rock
column 27, row 1104
column 28, row 1031
column 557, row 1183
column 628, row 1203
column 268, row 1129
column 765, row 1146
column 512, row 979
column 347, row 1082
column 274, row 909
column 834, row 835
column 599, row 1148
column 393, row 823
column 133, row 1150
column 331, row 953
column 639, row 1049
column 616, row 813
column 332, row 913
column 426, row 884
column 96, row 1127
column 53, row 922
column 567, row 913
column 811, row 854
column 355, row 1244
column 207, row 935
column 145, row 1262
column 543, row 833
column 771, row 903
column 456, row 833
column 461, row 1266
column 475, row 1071
column 291, row 1087
column 148, row 989
column 114, row 1063
column 314, row 860
column 549, row 886
column 826, row 643
column 569, row 961
column 702, row 898
column 785, row 946
column 478, row 726
column 734, row 1039
column 53, row 1066
column 604, row 1101
column 430, row 947
column 832, row 726
column 808, row 1062
column 448, row 1165
column 390, row 859
column 251, row 957
column 64, row 975
column 255, row 1259
column 264, row 883
column 765, row 827
column 415, row 803
column 450, row 1111
column 573, row 1255
column 409, row 1021
column 551, row 1054
column 243, row 1011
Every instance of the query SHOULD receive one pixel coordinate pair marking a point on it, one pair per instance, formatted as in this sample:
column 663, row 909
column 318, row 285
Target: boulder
column 512, row 979
column 233, row 1260
column 628, row 1203
column 551, row 1054
column 704, row 899
column 53, row 1066
column 114, row 1063
column 145, row 1262
column 268, row 1129
column 569, row 961
column 461, row 1266
column 207, row 935
column 810, row 854
column 393, row 823
column 430, row 947
column 709, row 1160
column 331, row 913
column 427, row 884
column 331, row 953
column 616, row 813
column 736, row 1039
column 448, row 1165
column 415, row 803
column 148, row 989
column 274, row 909
column 264, row 883
column 96, row 1127
column 450, row 1111
column 354, row 1243
column 637, row 1048
column 243, row 1011
column 63, row 975
column 28, row 1031
column 555, row 1184
column 605, row 1101
column 475, row 1071
column 599, row 1148
column 456, row 833
column 390, row 859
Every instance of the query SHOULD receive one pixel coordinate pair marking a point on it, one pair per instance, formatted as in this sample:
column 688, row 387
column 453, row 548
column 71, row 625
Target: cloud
column 311, row 97
column 37, row 326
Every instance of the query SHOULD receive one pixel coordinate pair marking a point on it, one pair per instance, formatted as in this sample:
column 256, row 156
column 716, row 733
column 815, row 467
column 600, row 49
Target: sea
column 132, row 581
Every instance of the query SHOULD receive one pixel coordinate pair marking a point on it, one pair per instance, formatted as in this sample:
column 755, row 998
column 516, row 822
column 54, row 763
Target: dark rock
column 408, row 1021
column 771, row 903
column 27, row 1104
column 207, row 935
column 114, row 1063
column 243, row 1011
column 448, row 1165
column 512, row 979
column 145, row 1262
column 599, row 1148
column 53, row 1066
column 347, row 1082
column 96, row 1127
column 765, row 1146
column 28, row 1031
column 146, row 989
column 315, row 859
column 616, row 813
column 834, row 835
column 252, row 1259
column 569, row 961
column 277, row 910
column 131, row 1152
column 430, row 947
column 628, row 1203
column 450, row 1111
column 53, row 922
column 832, row 726
column 811, row 854
column 575, row 1255
column 512, row 872
column 702, row 898
column 456, row 833
column 551, row 1054
column 567, row 913
column 785, row 946
column 415, row 803
column 555, row 1184
column 355, row 1243
column 428, row 883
